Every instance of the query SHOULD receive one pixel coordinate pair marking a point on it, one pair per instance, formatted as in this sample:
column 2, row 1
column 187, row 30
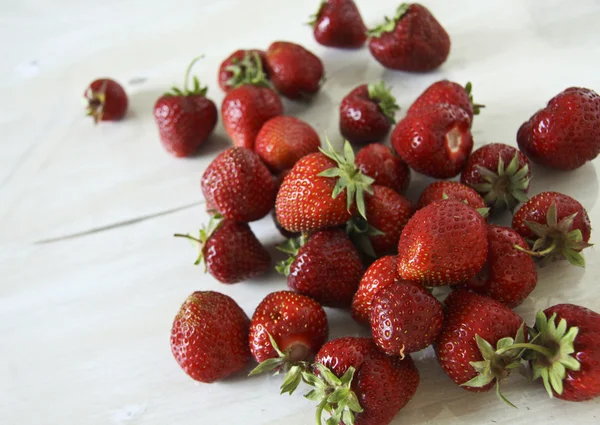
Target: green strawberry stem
column 203, row 236
column 247, row 71
column 476, row 106
column 360, row 232
column 313, row 18
column 543, row 253
column 196, row 90
column 291, row 247
column 389, row 24
column 528, row 346
column 382, row 95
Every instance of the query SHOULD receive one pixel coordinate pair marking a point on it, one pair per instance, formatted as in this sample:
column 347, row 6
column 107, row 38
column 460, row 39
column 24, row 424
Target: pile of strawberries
column 356, row 242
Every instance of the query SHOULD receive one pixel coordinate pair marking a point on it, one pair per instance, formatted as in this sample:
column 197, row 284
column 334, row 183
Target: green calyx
column 389, row 24
column 315, row 17
column 382, row 95
column 249, row 70
column 476, row 106
column 95, row 101
column 507, row 186
column 291, row 247
column 349, row 178
column 196, row 90
column 203, row 236
column 360, row 232
column 484, row 212
column 557, row 240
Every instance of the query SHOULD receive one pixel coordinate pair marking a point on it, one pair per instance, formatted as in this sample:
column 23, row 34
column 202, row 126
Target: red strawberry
column 405, row 318
column 502, row 186
column 380, row 163
column 566, row 133
column 209, row 338
column 295, row 72
column 106, row 100
column 509, row 275
column 288, row 235
column 230, row 251
column 444, row 243
column 440, row 190
column 238, row 185
column 557, row 226
column 185, row 118
column 284, row 140
column 338, row 23
column 412, row 41
column 233, row 70
column 436, row 141
column 445, row 91
column 367, row 113
column 326, row 267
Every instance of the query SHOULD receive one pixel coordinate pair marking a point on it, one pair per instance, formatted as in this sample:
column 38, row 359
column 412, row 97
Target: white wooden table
column 90, row 275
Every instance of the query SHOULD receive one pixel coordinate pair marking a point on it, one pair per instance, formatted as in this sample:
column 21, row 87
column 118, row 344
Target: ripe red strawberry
column 209, row 338
column 380, row 163
column 367, row 113
column 230, row 251
column 566, row 133
column 445, row 91
column 509, row 275
column 238, row 185
column 295, row 72
column 233, row 70
column 106, row 100
column 500, row 173
column 556, row 225
column 282, row 141
column 412, row 41
column 440, row 190
column 338, row 23
column 436, row 141
column 326, row 267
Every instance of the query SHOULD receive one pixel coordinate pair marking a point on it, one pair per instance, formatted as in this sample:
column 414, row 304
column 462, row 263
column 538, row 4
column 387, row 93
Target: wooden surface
column 90, row 275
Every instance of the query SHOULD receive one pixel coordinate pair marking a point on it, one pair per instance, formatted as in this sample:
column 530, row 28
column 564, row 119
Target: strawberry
column 232, row 72
column 338, row 23
column 325, row 267
column 509, row 275
column 209, row 338
column 230, row 250
column 412, row 41
column 185, row 118
column 436, row 141
column 295, row 72
column 238, row 185
column 556, row 225
column 284, row 140
column 105, row 100
column 380, row 163
column 566, row 133
column 323, row 189
column 405, row 318
column 445, row 91
column 367, row 113
column 501, row 186
column 440, row 190
column 444, row 243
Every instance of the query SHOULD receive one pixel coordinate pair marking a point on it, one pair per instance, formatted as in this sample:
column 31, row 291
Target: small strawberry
column 566, row 133
column 326, row 267
column 556, row 225
column 367, row 113
column 440, row 190
column 209, row 338
column 380, row 163
column 445, row 91
column 509, row 275
column 105, row 100
column 185, row 118
column 412, row 41
column 230, row 250
column 233, row 70
column 283, row 140
column 238, row 185
column 436, row 141
column 501, row 186
column 338, row 23
column 295, row 72
column 444, row 243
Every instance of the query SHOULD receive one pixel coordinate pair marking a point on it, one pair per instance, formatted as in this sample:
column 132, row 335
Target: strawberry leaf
column 382, row 95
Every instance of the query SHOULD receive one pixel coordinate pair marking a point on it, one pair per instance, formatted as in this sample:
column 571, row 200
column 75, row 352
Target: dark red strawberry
column 440, row 190
column 444, row 243
column 282, row 141
column 238, row 185
column 338, row 23
column 295, row 72
column 436, row 141
column 566, row 133
column 367, row 113
column 556, row 225
column 233, row 70
column 209, row 338
column 105, row 100
column 380, row 163
column 445, row 91
column 230, row 251
column 411, row 41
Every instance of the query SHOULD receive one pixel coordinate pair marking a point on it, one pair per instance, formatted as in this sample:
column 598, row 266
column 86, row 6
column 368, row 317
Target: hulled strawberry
column 381, row 164
column 106, row 100
column 209, row 338
column 436, row 141
column 556, row 225
column 338, row 23
column 440, row 190
column 367, row 113
column 233, row 71
column 445, row 91
column 413, row 40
